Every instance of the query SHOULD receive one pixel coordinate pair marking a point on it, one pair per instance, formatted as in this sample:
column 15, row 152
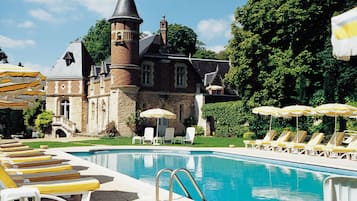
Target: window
column 93, row 110
column 181, row 117
column 64, row 108
column 180, row 76
column 147, row 76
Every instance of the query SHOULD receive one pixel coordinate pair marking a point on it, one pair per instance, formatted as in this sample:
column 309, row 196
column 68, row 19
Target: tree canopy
column 182, row 39
column 97, row 41
column 3, row 56
column 281, row 54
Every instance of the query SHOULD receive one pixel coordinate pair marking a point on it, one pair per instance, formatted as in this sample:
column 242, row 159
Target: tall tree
column 97, row 41
column 274, row 51
column 182, row 39
column 3, row 56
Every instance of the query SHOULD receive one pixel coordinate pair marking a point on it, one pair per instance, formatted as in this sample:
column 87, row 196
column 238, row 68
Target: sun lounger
column 25, row 159
column 15, row 144
column 82, row 186
column 297, row 138
column 10, row 164
column 39, row 169
column 299, row 148
column 46, row 176
column 269, row 136
column 11, row 149
column 284, row 136
column 335, row 140
column 341, row 151
column 26, row 153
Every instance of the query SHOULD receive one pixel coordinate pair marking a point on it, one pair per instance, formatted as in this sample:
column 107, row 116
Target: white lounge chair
column 148, row 135
column 340, row 188
column 190, row 135
column 169, row 135
column 82, row 186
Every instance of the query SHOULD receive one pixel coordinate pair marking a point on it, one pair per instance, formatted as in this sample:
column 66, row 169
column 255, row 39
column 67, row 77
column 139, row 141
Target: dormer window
column 69, row 58
column 180, row 75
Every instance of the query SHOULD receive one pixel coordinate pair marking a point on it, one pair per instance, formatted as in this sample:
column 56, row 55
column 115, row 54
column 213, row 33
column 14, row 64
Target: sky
column 37, row 32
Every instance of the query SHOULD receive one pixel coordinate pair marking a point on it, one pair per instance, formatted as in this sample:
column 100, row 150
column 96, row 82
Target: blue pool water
column 222, row 177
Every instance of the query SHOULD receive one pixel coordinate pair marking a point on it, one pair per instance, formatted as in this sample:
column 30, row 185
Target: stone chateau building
column 140, row 74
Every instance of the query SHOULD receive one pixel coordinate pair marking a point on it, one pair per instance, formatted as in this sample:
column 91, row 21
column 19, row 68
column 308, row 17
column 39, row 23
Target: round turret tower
column 125, row 23
column 125, row 64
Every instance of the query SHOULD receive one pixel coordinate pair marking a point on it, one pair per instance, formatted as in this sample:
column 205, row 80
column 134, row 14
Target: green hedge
column 230, row 117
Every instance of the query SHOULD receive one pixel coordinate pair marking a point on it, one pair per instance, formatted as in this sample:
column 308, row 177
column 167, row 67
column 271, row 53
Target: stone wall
column 171, row 102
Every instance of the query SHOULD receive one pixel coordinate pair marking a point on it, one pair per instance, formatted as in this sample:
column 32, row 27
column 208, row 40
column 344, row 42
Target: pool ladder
column 174, row 176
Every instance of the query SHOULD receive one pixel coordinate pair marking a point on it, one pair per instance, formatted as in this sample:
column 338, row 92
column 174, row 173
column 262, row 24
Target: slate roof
column 79, row 68
column 125, row 9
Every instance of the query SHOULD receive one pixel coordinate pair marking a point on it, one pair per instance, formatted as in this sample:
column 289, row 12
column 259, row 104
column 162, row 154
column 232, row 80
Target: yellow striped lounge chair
column 269, row 136
column 341, row 151
column 335, row 140
column 299, row 148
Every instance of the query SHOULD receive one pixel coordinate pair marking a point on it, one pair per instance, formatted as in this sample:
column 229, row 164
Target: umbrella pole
column 335, row 130
column 297, row 128
column 271, row 119
column 157, row 127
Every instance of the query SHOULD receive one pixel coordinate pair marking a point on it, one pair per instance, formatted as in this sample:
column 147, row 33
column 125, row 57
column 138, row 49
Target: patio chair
column 299, row 148
column 335, row 140
column 169, row 135
column 269, row 136
column 82, row 186
column 340, row 188
column 148, row 135
column 190, row 135
column 341, row 151
column 297, row 138
column 284, row 136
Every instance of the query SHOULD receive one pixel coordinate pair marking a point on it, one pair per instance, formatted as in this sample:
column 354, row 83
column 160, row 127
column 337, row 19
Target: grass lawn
column 199, row 142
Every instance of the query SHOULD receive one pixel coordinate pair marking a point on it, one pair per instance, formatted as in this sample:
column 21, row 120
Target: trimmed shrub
column 230, row 117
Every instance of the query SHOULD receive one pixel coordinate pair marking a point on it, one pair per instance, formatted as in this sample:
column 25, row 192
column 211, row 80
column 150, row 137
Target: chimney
column 163, row 31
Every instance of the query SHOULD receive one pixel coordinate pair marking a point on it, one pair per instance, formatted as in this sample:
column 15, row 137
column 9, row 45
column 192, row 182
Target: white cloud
column 42, row 15
column 56, row 6
column 103, row 7
column 216, row 48
column 13, row 43
column 210, row 29
column 26, row 24
column 37, row 67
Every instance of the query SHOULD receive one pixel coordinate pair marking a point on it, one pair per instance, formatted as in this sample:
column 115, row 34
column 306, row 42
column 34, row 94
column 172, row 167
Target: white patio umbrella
column 344, row 35
column 298, row 111
column 158, row 113
column 268, row 111
column 335, row 110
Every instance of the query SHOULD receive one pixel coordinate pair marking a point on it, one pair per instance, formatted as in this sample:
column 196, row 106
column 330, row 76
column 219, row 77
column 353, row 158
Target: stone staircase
column 66, row 125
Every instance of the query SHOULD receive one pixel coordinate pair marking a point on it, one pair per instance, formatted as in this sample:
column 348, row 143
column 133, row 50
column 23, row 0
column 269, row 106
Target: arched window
column 64, row 108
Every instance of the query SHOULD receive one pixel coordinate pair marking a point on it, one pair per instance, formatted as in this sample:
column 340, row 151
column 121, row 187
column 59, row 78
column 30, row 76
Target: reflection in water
column 219, row 178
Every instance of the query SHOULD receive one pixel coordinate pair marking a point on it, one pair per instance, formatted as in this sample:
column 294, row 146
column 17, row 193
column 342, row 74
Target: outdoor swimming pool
column 221, row 176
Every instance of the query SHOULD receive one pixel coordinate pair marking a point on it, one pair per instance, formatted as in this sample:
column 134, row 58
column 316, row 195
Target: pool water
column 221, row 177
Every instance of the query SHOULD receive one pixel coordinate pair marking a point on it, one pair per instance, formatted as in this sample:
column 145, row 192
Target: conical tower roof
column 126, row 10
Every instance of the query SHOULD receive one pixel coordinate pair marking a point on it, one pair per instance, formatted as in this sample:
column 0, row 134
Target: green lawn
column 199, row 142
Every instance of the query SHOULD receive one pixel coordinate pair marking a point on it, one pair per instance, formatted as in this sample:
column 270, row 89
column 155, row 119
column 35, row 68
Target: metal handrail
column 157, row 179
column 194, row 183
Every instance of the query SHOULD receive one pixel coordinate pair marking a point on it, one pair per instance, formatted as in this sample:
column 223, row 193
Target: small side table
column 178, row 139
column 135, row 138
column 158, row 140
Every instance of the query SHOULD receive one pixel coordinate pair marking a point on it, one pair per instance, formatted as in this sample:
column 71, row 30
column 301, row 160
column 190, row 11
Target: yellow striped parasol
column 298, row 111
column 344, row 34
column 268, row 111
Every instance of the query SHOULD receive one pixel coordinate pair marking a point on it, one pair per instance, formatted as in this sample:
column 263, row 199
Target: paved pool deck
column 120, row 187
